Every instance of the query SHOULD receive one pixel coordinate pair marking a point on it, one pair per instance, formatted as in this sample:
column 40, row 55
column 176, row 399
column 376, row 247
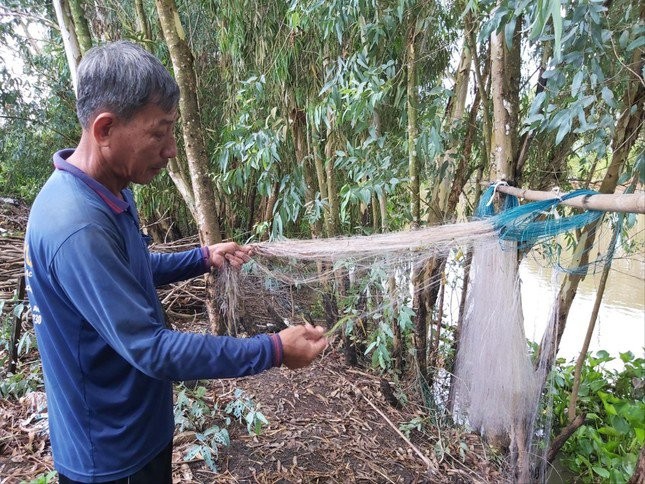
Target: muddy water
column 620, row 325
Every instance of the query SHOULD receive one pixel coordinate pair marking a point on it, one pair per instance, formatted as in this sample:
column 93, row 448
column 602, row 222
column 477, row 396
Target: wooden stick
column 423, row 457
column 431, row 466
column 17, row 326
column 632, row 202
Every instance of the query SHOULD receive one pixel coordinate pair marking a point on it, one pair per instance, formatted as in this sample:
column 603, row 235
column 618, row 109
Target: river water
column 620, row 326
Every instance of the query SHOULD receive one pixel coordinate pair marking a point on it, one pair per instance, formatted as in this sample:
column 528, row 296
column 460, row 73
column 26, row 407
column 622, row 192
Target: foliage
column 243, row 409
column 37, row 112
column 45, row 478
column 193, row 412
column 28, row 377
column 607, row 445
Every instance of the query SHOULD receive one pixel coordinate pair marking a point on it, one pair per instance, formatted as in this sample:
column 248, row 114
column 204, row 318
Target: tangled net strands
column 399, row 245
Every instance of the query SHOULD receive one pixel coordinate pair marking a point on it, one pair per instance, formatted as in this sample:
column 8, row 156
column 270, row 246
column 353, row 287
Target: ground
column 326, row 423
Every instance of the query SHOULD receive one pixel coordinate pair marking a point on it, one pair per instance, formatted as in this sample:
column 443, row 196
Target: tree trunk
column 505, row 75
column 626, row 133
column 398, row 343
column 142, row 23
column 639, row 473
column 80, row 25
column 202, row 187
column 412, row 103
column 320, row 175
column 445, row 165
column 573, row 398
column 70, row 40
column 299, row 129
column 333, row 222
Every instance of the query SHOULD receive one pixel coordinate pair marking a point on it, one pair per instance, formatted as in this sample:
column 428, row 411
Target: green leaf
column 608, row 97
column 565, row 128
column 576, row 83
column 636, row 44
column 601, row 471
column 556, row 16
column 509, row 30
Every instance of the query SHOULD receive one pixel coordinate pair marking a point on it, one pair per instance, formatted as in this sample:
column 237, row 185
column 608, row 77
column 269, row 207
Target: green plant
column 192, row 412
column 244, row 408
column 44, row 478
column 607, row 446
column 208, row 445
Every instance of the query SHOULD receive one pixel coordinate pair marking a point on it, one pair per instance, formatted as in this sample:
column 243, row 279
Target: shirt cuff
column 278, row 352
column 206, row 257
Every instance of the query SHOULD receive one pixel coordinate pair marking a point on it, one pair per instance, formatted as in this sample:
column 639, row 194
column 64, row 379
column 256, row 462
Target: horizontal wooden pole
column 627, row 202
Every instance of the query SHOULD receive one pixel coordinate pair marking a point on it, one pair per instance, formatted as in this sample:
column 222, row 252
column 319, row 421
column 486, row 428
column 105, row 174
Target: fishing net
column 498, row 386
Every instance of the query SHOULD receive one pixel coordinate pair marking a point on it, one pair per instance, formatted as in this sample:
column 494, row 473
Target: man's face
column 141, row 146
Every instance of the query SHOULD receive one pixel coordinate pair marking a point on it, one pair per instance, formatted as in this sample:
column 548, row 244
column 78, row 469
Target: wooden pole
column 633, row 202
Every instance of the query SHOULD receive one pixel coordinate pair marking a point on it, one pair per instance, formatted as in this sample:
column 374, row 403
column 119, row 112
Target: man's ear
column 102, row 127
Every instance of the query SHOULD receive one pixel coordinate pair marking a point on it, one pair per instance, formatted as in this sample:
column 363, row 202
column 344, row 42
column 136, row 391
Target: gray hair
column 122, row 77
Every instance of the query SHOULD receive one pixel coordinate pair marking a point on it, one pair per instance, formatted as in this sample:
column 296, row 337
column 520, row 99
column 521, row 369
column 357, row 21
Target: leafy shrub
column 607, row 446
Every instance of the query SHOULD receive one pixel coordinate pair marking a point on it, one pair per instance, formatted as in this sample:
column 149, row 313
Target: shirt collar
column 115, row 203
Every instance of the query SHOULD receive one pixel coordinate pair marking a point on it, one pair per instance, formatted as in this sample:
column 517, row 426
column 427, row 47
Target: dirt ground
column 327, row 423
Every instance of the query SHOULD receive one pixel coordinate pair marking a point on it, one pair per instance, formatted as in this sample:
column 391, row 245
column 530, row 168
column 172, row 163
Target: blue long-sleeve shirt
column 108, row 359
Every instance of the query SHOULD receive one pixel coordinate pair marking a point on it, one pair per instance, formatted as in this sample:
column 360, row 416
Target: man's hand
column 301, row 344
column 230, row 252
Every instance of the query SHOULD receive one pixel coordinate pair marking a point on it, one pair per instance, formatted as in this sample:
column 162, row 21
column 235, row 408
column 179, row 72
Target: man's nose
column 170, row 150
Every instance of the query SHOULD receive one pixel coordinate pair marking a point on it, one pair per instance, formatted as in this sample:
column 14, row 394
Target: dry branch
column 632, row 202
column 562, row 437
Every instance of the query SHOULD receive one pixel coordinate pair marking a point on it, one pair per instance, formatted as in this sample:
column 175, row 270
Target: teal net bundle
column 533, row 222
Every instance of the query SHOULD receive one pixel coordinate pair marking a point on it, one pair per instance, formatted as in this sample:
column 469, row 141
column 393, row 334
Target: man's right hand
column 301, row 344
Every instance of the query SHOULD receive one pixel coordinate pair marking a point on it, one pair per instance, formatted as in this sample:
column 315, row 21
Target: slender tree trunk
column 321, row 176
column 627, row 130
column 462, row 302
column 182, row 60
column 398, row 343
column 333, row 227
column 70, row 40
column 412, row 103
column 445, row 164
column 505, row 78
column 299, row 129
column 80, row 25
column 142, row 23
column 382, row 205
column 202, row 186
column 573, row 398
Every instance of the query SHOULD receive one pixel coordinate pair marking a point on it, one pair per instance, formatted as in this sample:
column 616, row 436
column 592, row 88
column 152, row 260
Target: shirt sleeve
column 104, row 291
column 178, row 266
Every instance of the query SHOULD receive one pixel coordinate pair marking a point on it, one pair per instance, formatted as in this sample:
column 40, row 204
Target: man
column 108, row 359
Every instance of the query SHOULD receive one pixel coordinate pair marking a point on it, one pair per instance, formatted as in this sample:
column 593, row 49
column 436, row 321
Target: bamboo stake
column 633, row 202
